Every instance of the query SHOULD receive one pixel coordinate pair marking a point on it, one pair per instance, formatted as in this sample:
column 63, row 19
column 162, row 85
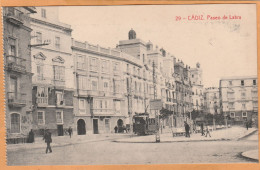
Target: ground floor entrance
column 81, row 127
column 95, row 126
column 60, row 130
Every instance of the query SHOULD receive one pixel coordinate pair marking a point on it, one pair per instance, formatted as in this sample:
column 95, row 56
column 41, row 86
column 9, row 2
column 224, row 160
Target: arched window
column 15, row 123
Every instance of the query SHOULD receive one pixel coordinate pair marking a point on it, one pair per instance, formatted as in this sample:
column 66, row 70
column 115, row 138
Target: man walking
column 187, row 129
column 70, row 131
column 48, row 140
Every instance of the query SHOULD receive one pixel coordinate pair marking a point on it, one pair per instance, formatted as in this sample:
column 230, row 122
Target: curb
column 222, row 139
column 247, row 135
column 242, row 154
column 63, row 144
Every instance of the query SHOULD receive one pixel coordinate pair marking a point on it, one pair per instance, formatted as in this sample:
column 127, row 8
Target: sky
column 223, row 47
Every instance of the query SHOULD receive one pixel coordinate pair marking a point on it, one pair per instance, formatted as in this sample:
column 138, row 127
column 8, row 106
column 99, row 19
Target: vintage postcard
column 131, row 84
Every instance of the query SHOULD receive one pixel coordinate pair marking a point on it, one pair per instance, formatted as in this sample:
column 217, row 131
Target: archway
column 120, row 124
column 81, row 126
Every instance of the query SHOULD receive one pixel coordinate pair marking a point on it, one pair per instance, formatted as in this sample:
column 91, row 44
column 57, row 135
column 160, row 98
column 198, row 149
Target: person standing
column 48, row 140
column 207, row 132
column 115, row 129
column 70, row 131
column 187, row 129
column 31, row 137
column 247, row 125
column 202, row 129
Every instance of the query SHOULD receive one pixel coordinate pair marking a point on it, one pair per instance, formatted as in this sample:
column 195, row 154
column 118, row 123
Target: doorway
column 95, row 126
column 81, row 127
column 60, row 130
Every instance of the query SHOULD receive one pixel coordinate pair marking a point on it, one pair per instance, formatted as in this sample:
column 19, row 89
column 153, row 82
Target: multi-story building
column 52, row 66
column 183, row 92
column 239, row 98
column 18, row 76
column 211, row 100
column 100, row 102
column 197, row 88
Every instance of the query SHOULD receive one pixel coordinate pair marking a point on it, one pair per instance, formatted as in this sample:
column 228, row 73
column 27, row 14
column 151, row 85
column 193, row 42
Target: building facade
column 18, row 76
column 239, row 98
column 211, row 100
column 52, row 67
column 197, row 88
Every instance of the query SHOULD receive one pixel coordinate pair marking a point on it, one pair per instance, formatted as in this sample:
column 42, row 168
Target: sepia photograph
column 131, row 84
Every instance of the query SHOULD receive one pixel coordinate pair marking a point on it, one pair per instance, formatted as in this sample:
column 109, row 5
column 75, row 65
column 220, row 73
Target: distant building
column 52, row 66
column 211, row 100
column 239, row 98
column 197, row 88
column 18, row 76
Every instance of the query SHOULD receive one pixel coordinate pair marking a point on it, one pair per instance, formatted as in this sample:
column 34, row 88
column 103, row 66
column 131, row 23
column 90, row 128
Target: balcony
column 16, row 99
column 59, row 83
column 14, row 16
column 255, row 98
column 42, row 101
column 15, row 64
column 59, row 121
column 231, row 99
column 41, row 80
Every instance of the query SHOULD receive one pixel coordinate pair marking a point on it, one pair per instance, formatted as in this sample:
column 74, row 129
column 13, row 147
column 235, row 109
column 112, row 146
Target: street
column 108, row 152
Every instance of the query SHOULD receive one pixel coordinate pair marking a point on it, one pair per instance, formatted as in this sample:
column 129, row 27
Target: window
column 81, row 62
column 43, row 12
column 255, row 104
column 40, row 72
column 230, row 83
column 192, row 76
column 116, row 67
column 243, row 95
column 232, row 114
column 59, row 98
column 12, row 44
column 83, row 82
column 57, row 42
column 42, row 95
column 242, row 82
column 94, row 85
column 15, row 123
column 41, row 118
column 82, row 108
column 59, row 117
column 59, row 72
column 106, row 86
column 254, row 82
column 243, row 106
column 38, row 37
column 105, row 66
column 244, row 114
column 93, row 64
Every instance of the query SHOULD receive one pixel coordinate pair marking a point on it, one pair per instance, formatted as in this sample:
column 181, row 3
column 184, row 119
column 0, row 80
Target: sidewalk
column 58, row 141
column 234, row 133
column 252, row 154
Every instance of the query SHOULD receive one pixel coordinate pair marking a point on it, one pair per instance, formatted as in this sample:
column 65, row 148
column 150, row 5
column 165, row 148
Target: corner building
column 239, row 98
column 17, row 70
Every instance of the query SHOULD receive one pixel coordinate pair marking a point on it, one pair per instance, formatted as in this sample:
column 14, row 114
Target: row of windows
column 242, row 82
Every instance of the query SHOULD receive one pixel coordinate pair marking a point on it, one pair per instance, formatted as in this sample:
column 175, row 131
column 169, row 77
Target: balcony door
column 13, row 88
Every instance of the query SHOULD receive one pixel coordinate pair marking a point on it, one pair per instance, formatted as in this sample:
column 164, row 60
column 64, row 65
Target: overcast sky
column 222, row 47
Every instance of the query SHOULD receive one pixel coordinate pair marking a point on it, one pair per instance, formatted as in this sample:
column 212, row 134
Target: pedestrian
column 207, row 132
column 70, row 131
column 31, row 137
column 187, row 129
column 202, row 129
column 115, row 129
column 247, row 125
column 48, row 140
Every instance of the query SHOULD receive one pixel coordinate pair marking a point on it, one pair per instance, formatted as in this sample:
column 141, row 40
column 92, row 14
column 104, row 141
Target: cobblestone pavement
column 108, row 152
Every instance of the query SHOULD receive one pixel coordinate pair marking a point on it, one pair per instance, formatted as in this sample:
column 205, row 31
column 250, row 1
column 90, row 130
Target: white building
column 239, row 98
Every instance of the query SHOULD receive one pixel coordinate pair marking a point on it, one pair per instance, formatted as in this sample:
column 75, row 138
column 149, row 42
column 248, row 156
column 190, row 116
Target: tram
column 143, row 125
